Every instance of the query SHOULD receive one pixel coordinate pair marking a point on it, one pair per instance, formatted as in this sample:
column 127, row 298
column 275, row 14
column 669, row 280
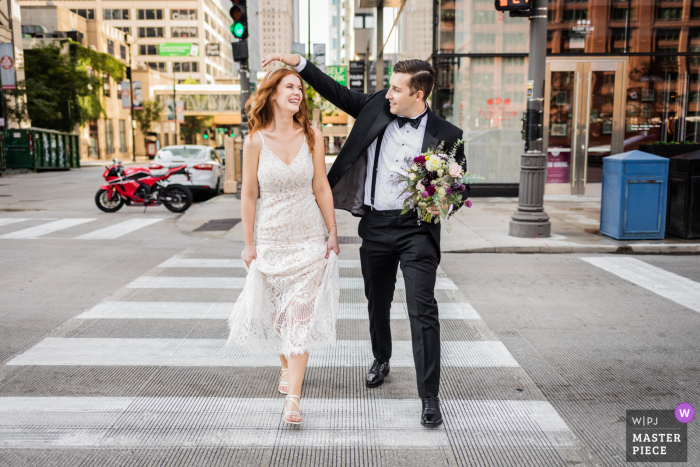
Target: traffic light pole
column 245, row 95
column 530, row 220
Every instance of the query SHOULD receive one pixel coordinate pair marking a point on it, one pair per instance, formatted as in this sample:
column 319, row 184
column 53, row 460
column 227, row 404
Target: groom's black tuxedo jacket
column 371, row 112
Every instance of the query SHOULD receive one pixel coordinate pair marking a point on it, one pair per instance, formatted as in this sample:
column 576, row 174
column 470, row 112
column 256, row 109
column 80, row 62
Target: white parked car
column 207, row 171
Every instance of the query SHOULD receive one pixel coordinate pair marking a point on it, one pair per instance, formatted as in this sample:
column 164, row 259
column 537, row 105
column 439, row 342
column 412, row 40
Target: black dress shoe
column 431, row 415
column 376, row 374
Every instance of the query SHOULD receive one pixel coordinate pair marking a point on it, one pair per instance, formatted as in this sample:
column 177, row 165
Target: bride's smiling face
column 288, row 94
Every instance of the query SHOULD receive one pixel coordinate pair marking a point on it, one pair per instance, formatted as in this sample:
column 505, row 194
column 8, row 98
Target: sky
column 319, row 23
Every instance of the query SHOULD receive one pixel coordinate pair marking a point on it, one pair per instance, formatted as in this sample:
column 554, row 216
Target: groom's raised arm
column 350, row 102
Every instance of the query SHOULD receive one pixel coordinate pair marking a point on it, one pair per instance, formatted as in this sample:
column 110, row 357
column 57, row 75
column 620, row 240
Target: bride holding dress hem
column 289, row 304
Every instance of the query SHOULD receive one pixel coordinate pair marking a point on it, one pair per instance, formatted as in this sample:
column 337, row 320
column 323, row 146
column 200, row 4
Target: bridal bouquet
column 435, row 180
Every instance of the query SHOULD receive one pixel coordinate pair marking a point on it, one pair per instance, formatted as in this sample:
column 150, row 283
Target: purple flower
column 462, row 187
column 424, row 194
column 430, row 189
column 448, row 190
column 419, row 160
column 468, row 203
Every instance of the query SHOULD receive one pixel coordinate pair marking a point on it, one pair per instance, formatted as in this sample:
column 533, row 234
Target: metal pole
column 245, row 95
column 131, row 97
column 308, row 56
column 379, row 62
column 175, row 139
column 530, row 220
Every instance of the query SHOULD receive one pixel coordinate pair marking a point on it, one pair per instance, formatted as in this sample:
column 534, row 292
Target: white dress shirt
column 399, row 147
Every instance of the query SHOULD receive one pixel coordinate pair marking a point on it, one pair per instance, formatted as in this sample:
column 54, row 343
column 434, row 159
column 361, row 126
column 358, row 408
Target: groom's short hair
column 422, row 75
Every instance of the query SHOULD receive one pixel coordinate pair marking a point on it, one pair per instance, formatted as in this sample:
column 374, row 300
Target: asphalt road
column 111, row 351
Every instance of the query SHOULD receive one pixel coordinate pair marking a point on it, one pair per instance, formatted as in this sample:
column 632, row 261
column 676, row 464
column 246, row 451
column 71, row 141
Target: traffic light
column 239, row 28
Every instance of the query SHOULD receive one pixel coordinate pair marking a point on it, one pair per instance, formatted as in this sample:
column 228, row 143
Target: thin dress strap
column 261, row 137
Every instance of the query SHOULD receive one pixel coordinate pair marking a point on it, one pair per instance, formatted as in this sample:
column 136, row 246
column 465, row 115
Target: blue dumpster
column 633, row 204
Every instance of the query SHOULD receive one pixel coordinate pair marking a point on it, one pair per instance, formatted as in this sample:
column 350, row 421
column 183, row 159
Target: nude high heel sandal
column 291, row 397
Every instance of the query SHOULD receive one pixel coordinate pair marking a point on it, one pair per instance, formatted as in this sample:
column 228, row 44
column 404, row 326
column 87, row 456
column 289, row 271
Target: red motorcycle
column 135, row 186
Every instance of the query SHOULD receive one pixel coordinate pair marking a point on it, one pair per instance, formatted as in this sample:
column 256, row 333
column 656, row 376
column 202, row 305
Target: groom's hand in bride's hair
column 249, row 254
column 287, row 59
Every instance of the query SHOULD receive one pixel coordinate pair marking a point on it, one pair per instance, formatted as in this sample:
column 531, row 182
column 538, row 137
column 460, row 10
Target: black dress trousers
column 388, row 239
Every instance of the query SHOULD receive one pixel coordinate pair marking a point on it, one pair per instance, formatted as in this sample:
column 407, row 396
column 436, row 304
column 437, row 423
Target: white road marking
column 12, row 220
column 150, row 422
column 213, row 352
column 43, row 229
column 676, row 288
column 177, row 262
column 119, row 229
column 167, row 282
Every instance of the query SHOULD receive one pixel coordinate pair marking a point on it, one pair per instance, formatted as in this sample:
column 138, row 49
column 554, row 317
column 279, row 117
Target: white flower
column 419, row 186
column 412, row 176
column 414, row 167
column 433, row 182
column 441, row 172
column 441, row 191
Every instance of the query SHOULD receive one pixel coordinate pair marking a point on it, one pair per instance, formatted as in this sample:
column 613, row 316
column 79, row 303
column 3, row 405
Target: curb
column 676, row 249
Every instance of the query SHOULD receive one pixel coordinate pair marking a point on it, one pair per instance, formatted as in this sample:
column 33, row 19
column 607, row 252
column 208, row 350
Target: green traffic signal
column 206, row 136
column 237, row 29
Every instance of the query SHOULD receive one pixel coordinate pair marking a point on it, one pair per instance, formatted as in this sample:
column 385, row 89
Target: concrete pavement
column 482, row 229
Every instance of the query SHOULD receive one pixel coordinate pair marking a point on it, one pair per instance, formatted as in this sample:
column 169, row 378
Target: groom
column 392, row 127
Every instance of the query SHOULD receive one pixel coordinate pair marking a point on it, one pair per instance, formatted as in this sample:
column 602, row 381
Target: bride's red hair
column 259, row 106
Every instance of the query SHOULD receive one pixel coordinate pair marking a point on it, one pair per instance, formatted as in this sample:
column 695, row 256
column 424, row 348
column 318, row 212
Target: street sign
column 138, row 96
column 213, row 49
column 510, row 5
column 338, row 73
column 7, row 66
column 357, row 76
column 126, row 95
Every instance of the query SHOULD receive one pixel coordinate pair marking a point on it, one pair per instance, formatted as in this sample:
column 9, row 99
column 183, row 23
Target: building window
column 183, row 31
column 122, row 52
column 117, row 14
column 669, row 14
column 122, row 135
column 206, row 35
column 107, row 87
column 189, row 81
column 186, row 67
column 109, row 136
column 110, row 47
column 575, row 15
column 206, row 17
column 179, row 15
column 93, row 145
column 87, row 14
column 150, row 14
column 148, row 50
column 125, row 29
column 151, row 32
column 208, row 69
column 158, row 66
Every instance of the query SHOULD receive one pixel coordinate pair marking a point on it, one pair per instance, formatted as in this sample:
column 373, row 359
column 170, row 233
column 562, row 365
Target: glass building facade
column 619, row 74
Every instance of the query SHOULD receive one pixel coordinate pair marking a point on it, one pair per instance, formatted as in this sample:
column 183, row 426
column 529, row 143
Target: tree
column 194, row 124
column 64, row 85
column 147, row 115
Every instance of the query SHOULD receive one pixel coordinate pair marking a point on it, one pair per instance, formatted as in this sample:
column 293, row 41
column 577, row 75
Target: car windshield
column 181, row 153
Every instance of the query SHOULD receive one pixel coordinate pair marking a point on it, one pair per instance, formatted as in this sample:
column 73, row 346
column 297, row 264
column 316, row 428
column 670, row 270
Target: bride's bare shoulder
column 254, row 140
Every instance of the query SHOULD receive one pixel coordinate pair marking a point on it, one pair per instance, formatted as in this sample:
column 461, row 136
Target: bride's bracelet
column 329, row 228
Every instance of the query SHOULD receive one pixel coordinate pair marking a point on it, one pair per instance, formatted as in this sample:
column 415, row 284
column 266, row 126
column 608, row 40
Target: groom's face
column 400, row 99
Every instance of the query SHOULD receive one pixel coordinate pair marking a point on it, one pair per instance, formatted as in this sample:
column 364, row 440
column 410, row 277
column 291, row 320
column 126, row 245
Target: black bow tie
column 413, row 121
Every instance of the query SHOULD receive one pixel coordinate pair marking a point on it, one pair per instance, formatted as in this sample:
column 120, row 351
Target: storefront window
column 485, row 97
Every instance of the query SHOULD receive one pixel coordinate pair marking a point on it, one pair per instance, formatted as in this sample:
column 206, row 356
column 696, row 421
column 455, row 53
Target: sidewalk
column 481, row 229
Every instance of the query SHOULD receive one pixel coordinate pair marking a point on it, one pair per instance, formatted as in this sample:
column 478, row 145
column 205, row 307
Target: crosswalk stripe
column 222, row 310
column 43, row 229
column 178, row 262
column 166, row 282
column 111, row 422
column 119, row 229
column 212, row 352
column 13, row 220
column 676, row 288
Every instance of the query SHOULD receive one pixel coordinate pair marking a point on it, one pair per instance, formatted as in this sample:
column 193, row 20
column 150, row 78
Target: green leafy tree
column 63, row 86
column 195, row 124
column 148, row 115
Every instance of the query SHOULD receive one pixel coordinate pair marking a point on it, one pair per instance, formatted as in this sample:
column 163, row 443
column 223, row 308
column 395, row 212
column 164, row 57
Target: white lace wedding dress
column 291, row 296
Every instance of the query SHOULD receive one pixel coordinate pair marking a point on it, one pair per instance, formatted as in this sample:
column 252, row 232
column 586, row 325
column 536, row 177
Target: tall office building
column 169, row 37
column 339, row 28
column 276, row 28
column 415, row 30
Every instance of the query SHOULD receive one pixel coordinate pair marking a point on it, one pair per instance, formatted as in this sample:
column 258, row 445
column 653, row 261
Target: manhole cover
column 349, row 240
column 217, row 225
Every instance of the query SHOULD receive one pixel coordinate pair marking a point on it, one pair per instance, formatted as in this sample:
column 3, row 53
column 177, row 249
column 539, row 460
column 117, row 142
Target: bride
column 289, row 304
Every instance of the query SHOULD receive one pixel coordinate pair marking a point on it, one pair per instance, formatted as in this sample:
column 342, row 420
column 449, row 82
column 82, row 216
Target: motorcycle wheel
column 103, row 202
column 180, row 198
